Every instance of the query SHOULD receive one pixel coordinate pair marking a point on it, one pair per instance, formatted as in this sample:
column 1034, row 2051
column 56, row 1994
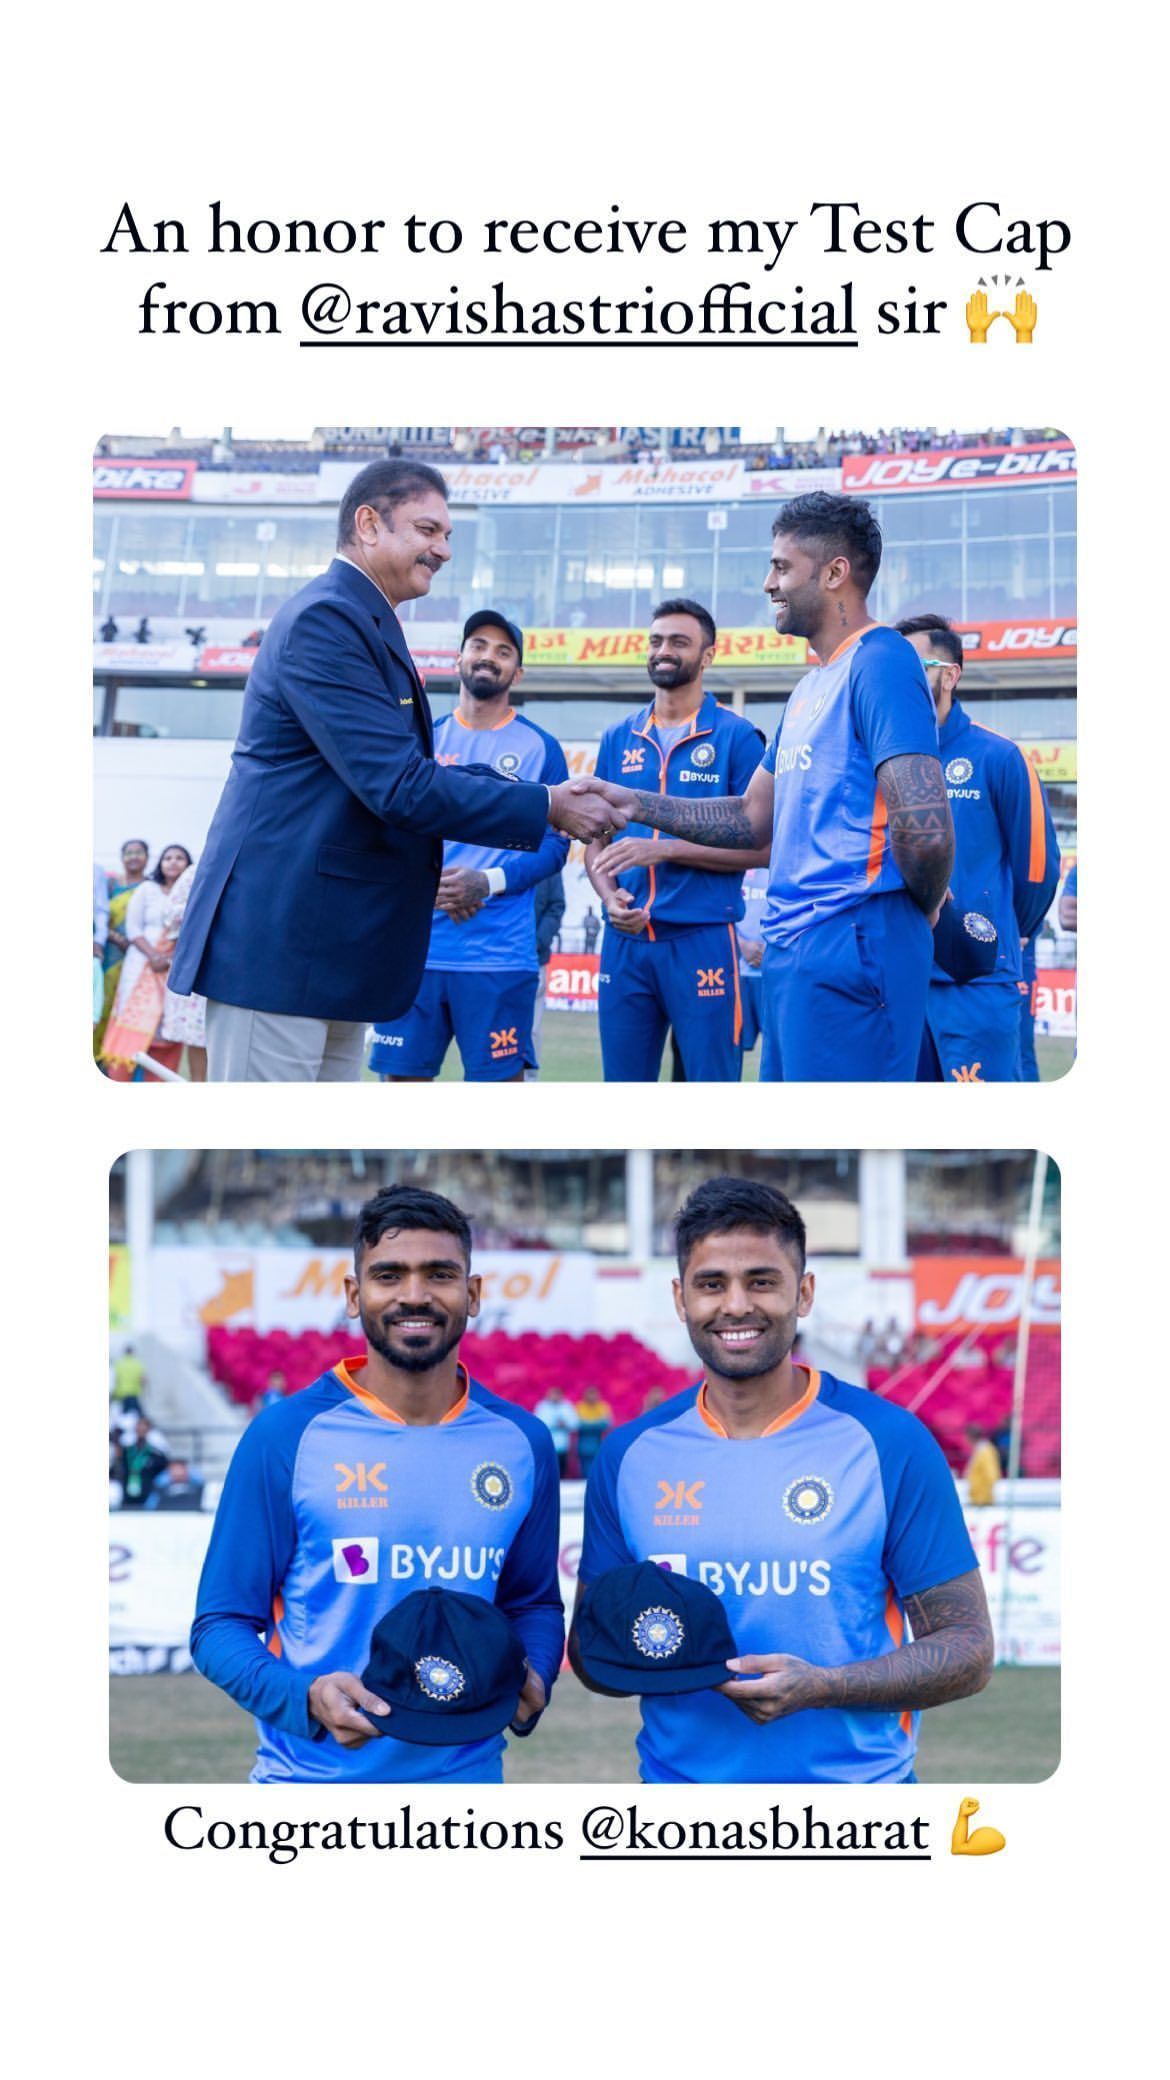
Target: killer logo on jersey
column 492, row 1485
column 507, row 762
column 959, row 771
column 808, row 1500
column 979, row 927
column 703, row 755
column 439, row 1679
column 657, row 1633
column 817, row 706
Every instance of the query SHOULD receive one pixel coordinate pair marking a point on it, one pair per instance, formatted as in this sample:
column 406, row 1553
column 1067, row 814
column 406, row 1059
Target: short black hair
column 723, row 1203
column 697, row 613
column 938, row 628
column 832, row 525
column 409, row 1206
column 385, row 485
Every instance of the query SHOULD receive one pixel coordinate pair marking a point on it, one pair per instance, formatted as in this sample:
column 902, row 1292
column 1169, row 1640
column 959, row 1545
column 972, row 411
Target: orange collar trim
column 849, row 642
column 348, row 1366
column 474, row 727
column 781, row 1422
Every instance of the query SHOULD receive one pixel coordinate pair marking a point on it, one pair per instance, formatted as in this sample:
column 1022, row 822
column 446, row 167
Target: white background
column 170, row 1963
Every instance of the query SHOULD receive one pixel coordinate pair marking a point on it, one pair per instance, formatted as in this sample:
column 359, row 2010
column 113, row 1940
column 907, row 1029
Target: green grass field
column 181, row 1730
column 572, row 1054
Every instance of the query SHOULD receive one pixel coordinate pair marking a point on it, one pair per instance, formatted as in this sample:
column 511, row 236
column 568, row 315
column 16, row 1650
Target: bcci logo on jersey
column 959, row 772
column 492, row 1485
column 808, row 1500
column 657, row 1633
column 439, row 1679
column 703, row 755
column 508, row 763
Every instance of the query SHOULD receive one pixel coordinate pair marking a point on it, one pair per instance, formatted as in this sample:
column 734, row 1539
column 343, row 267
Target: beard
column 400, row 1354
column 754, row 1360
column 670, row 672
column 482, row 683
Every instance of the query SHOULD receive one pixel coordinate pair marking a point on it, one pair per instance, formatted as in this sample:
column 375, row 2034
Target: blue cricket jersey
column 813, row 1535
column 830, row 844
column 333, row 1510
column 1007, row 860
column 716, row 756
column 503, row 933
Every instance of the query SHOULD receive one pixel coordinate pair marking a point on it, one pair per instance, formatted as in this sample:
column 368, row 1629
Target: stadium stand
column 968, row 1380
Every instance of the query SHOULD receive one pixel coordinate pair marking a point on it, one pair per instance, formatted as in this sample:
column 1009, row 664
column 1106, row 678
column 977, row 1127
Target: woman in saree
column 134, row 1022
column 134, row 861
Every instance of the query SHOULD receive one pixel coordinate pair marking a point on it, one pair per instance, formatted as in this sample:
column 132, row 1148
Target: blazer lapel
column 359, row 587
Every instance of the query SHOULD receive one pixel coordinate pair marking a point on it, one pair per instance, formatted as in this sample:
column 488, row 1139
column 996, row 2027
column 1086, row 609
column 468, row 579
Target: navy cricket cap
column 449, row 1666
column 485, row 618
column 966, row 943
column 644, row 1631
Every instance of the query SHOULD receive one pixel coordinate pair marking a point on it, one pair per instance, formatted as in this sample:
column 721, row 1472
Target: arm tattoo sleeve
column 950, row 1655
column 922, row 836
column 721, row 822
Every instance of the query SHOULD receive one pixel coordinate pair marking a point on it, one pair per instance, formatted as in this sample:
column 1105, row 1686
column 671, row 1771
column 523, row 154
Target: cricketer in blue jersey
column 826, row 1519
column 853, row 795
column 388, row 1474
column 670, row 957
column 479, row 988
column 1007, row 865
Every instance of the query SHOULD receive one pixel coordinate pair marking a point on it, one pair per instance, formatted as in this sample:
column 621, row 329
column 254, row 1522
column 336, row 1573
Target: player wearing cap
column 390, row 1473
column 1007, row 864
column 480, row 982
column 852, row 791
column 670, row 957
column 824, row 1518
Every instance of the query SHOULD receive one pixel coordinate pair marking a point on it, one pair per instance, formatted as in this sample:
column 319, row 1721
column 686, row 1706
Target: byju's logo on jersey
column 439, row 1679
column 657, row 1633
column 703, row 755
column 959, row 771
column 808, row 1500
column 507, row 763
column 492, row 1485
column 355, row 1560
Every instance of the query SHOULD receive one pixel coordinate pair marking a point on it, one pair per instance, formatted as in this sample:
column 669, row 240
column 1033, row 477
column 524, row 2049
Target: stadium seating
column 520, row 1368
column 969, row 1381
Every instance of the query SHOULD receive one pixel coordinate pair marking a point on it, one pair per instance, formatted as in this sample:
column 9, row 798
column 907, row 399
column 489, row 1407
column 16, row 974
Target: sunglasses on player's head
column 935, row 664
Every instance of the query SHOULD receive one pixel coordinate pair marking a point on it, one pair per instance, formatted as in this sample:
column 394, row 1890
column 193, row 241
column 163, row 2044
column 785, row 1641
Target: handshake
column 588, row 809
column 980, row 320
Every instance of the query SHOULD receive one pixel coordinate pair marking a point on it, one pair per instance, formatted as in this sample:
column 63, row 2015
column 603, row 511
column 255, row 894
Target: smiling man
column 479, row 988
column 311, row 909
column 391, row 1473
column 824, row 1518
column 851, row 790
column 670, row 957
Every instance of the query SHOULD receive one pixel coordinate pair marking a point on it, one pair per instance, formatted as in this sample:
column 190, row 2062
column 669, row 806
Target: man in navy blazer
column 311, row 910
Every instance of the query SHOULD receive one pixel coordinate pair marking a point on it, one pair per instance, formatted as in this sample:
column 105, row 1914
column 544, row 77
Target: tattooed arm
column 950, row 1656
column 741, row 822
column 922, row 837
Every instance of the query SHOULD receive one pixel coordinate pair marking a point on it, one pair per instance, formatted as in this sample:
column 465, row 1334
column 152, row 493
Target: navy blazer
column 316, row 888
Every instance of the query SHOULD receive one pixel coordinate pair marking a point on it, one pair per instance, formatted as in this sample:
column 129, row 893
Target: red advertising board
column 950, row 469
column 130, row 476
column 571, row 982
column 955, row 1294
column 997, row 642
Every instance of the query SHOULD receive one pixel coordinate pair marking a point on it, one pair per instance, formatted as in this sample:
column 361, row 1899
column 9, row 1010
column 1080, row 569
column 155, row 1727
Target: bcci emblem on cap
column 492, row 1485
column 959, row 772
column 979, row 927
column 807, row 1500
column 657, row 1633
column 439, row 1679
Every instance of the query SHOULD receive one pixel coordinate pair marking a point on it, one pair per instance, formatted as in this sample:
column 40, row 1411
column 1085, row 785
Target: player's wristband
column 496, row 879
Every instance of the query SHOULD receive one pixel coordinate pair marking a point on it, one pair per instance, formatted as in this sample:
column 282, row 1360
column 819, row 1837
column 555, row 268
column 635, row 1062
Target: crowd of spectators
column 523, row 445
column 144, row 1472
